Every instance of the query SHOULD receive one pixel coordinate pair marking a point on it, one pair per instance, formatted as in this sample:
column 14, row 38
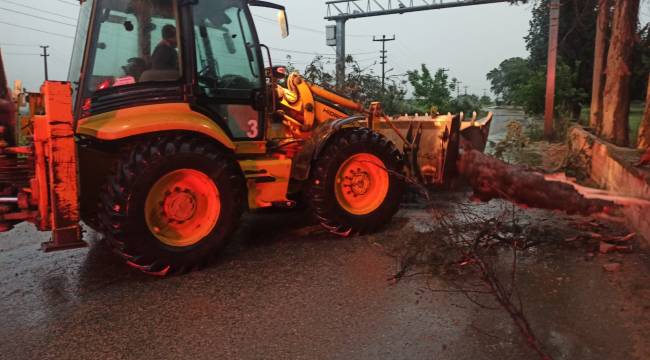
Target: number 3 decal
column 253, row 129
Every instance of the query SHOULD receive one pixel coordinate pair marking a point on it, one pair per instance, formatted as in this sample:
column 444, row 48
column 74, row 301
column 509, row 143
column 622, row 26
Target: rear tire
column 171, row 203
column 355, row 186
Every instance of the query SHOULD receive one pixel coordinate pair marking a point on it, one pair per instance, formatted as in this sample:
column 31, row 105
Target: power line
column 19, row 45
column 363, row 53
column 305, row 28
column 307, row 57
column 37, row 9
column 406, row 49
column 302, row 52
column 37, row 17
column 365, row 59
column 38, row 30
column 322, row 55
column 68, row 2
column 20, row 54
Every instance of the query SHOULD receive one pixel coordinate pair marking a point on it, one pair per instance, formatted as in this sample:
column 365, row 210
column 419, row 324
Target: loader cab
column 202, row 53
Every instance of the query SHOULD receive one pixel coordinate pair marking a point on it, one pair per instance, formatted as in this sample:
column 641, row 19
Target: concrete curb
column 611, row 167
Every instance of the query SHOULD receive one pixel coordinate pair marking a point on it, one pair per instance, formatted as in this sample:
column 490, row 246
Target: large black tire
column 122, row 205
column 322, row 192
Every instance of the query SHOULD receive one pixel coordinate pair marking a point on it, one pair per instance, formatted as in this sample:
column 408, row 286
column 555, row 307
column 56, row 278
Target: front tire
column 172, row 203
column 356, row 184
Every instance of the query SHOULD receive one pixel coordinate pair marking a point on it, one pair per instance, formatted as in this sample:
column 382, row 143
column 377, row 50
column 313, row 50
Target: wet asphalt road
column 286, row 290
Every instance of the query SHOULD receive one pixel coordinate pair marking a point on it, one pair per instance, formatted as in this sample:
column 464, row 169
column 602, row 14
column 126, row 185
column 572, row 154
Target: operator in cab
column 164, row 60
column 165, row 56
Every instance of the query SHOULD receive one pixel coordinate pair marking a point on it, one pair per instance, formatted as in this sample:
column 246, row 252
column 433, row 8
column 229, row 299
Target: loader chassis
column 175, row 127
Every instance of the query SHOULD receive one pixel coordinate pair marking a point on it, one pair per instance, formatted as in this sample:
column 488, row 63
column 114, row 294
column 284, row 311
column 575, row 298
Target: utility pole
column 45, row 55
column 466, row 87
column 384, row 57
column 554, row 27
column 458, row 89
column 340, row 53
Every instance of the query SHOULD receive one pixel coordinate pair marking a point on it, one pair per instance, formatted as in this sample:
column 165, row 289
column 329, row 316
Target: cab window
column 228, row 68
column 225, row 49
column 136, row 42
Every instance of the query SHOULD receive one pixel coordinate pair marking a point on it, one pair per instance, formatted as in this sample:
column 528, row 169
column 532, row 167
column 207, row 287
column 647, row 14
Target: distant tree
column 486, row 101
column 361, row 85
column 509, row 79
column 315, row 72
column 641, row 60
column 575, row 46
column 364, row 86
column 465, row 103
column 518, row 82
column 431, row 90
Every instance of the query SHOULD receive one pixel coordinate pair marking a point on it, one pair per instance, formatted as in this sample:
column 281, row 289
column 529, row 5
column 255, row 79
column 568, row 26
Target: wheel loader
column 175, row 121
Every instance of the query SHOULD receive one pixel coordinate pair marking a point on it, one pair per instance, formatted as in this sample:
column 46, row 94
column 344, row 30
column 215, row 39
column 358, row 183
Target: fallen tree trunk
column 491, row 178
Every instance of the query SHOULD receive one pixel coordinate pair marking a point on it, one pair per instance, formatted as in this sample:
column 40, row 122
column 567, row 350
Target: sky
column 469, row 41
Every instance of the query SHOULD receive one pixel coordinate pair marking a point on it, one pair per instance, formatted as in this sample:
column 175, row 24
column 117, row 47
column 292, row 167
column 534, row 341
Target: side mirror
column 284, row 23
column 282, row 14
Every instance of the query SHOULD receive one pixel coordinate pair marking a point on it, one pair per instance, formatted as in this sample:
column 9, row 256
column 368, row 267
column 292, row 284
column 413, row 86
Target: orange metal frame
column 56, row 169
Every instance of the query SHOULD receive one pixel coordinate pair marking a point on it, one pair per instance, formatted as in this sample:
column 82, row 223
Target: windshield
column 133, row 42
column 226, row 50
column 74, row 72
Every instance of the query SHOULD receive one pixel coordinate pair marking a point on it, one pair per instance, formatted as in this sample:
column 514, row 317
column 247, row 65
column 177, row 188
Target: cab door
column 229, row 68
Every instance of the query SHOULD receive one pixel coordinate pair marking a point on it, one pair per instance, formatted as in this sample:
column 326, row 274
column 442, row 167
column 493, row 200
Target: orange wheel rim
column 182, row 207
column 362, row 183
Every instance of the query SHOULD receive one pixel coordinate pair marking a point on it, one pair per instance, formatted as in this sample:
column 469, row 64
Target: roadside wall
column 611, row 168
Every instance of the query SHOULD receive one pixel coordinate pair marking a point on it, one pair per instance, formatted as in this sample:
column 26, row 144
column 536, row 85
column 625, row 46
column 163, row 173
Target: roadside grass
column 636, row 113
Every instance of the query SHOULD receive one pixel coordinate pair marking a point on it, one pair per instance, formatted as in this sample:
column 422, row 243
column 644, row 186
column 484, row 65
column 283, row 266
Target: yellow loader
column 173, row 124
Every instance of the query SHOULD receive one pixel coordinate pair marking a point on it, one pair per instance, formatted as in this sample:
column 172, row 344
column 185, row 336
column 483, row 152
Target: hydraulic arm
column 430, row 142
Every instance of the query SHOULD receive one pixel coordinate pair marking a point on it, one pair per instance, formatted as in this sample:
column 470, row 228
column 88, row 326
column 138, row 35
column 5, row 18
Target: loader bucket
column 474, row 133
column 431, row 145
